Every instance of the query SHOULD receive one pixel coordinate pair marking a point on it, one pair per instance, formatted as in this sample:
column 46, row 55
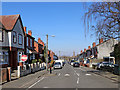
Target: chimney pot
column 81, row 51
column 89, row 47
column 30, row 32
column 94, row 44
column 25, row 30
column 100, row 40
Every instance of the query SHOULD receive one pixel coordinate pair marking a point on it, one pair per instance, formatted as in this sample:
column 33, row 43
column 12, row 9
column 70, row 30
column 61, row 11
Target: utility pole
column 47, row 52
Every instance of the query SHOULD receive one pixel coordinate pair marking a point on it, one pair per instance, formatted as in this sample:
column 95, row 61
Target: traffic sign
column 24, row 58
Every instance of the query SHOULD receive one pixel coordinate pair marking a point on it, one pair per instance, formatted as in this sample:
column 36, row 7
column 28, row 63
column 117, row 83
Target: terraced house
column 11, row 40
column 99, row 51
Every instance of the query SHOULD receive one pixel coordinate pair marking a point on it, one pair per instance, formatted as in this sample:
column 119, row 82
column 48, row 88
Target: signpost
column 24, row 58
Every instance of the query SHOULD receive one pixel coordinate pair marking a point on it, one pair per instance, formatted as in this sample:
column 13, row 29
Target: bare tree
column 104, row 19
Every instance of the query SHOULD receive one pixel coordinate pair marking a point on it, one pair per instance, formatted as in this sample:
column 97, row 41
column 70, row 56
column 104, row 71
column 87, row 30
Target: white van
column 60, row 62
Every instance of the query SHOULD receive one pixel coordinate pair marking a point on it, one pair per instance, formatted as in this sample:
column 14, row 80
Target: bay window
column 4, row 57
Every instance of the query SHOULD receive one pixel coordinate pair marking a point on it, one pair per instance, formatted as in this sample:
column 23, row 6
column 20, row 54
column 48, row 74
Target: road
column 69, row 77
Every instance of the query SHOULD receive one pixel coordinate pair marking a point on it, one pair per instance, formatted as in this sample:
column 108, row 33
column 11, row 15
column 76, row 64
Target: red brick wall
column 36, row 46
column 3, row 77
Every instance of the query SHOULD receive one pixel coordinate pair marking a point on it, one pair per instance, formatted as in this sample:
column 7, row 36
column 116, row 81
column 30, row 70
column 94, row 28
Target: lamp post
column 47, row 50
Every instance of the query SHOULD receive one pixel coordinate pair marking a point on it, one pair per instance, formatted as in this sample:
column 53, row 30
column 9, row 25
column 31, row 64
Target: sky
column 65, row 20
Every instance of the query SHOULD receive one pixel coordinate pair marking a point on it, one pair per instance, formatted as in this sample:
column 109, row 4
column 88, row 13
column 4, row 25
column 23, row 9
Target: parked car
column 57, row 65
column 102, row 65
column 72, row 62
column 76, row 64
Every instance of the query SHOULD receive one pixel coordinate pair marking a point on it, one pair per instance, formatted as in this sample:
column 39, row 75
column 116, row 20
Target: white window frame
column 1, row 35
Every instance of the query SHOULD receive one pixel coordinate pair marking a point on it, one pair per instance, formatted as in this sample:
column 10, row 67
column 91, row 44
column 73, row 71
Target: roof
column 8, row 21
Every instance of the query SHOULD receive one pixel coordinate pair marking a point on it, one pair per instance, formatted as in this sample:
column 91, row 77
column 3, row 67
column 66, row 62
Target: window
column 14, row 37
column 27, row 41
column 20, row 39
column 1, row 36
column 4, row 57
column 19, row 56
column 30, row 42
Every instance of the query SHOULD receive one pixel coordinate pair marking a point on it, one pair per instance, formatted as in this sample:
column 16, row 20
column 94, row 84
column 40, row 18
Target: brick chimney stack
column 30, row 32
column 25, row 30
column 39, row 40
column 89, row 47
column 94, row 44
column 100, row 40
column 81, row 51
column 84, row 49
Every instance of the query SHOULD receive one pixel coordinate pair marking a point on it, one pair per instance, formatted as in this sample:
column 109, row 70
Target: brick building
column 29, row 45
column 11, row 40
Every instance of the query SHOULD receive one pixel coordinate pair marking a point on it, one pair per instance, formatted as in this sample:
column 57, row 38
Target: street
column 67, row 77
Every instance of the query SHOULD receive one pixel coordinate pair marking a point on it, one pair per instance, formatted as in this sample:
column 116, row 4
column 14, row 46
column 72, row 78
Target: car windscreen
column 72, row 60
column 57, row 63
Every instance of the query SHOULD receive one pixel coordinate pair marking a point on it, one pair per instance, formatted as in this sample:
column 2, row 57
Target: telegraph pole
column 47, row 52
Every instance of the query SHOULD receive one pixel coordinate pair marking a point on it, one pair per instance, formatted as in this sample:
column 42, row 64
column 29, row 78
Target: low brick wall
column 3, row 75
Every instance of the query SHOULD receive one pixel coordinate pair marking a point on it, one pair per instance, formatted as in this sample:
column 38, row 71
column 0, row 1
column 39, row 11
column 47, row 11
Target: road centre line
column 78, row 74
column 78, row 81
column 36, row 82
column 59, row 74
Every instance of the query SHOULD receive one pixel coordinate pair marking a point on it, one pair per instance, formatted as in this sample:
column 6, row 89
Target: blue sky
column 62, row 19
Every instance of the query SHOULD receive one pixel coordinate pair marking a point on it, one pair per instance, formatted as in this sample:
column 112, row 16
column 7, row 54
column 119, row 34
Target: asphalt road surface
column 71, row 77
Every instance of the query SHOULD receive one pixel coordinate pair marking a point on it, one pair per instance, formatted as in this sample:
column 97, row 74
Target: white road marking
column 36, row 82
column 78, row 81
column 67, row 75
column 78, row 74
column 59, row 74
column 45, row 87
column 87, row 74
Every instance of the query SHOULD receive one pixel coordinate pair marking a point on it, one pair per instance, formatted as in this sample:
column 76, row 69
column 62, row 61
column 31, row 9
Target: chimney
column 39, row 40
column 30, row 32
column 94, row 44
column 81, row 51
column 100, row 40
column 25, row 30
column 89, row 47
column 84, row 49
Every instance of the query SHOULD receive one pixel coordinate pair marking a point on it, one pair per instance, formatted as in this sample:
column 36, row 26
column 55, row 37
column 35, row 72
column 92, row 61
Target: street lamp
column 47, row 50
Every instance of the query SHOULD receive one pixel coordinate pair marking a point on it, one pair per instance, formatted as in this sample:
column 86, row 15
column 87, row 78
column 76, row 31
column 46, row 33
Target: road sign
column 24, row 58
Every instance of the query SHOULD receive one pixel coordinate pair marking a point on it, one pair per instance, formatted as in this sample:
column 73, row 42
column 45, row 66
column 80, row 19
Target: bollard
column 8, row 74
column 38, row 65
column 29, row 68
column 18, row 71
column 35, row 66
column 50, row 69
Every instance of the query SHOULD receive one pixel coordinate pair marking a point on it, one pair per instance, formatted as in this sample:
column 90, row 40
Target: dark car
column 76, row 64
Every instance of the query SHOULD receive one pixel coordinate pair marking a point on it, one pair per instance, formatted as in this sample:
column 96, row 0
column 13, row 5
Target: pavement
column 105, row 74
column 67, row 77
